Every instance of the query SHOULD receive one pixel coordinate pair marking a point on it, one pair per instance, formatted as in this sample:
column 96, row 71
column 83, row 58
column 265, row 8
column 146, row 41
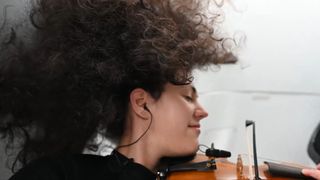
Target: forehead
column 181, row 88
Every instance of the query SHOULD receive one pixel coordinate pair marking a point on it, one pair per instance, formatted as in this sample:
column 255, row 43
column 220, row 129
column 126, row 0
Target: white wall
column 275, row 83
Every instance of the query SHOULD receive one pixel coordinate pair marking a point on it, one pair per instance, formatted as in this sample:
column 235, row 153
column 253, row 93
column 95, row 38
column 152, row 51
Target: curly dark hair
column 86, row 56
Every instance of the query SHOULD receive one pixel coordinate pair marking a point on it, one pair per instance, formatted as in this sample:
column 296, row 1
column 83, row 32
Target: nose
column 200, row 113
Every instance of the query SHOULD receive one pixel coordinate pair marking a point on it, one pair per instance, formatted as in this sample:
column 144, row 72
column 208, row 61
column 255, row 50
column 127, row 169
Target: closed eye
column 188, row 98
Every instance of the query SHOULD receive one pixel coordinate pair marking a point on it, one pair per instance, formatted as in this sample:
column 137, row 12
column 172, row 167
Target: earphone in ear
column 145, row 107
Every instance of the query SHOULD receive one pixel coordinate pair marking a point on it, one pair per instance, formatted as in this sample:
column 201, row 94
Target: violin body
column 225, row 170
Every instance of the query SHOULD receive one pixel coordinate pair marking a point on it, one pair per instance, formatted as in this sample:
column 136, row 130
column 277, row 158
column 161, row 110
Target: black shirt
column 85, row 167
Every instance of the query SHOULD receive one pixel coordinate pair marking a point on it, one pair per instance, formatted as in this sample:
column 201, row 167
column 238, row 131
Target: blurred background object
column 314, row 145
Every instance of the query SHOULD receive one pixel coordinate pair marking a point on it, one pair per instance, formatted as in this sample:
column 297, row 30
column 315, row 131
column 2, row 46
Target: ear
column 138, row 100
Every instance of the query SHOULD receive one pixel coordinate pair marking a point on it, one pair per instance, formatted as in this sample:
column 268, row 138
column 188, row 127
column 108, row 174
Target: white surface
column 275, row 83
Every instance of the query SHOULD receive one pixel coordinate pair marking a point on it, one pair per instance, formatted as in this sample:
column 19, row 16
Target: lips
column 194, row 126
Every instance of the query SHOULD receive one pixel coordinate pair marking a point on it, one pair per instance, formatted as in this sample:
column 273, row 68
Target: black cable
column 203, row 145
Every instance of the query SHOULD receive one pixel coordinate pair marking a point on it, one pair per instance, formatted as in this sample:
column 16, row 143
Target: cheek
column 178, row 138
column 173, row 120
column 171, row 129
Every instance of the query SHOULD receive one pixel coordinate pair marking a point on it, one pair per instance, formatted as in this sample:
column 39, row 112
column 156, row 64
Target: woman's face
column 176, row 120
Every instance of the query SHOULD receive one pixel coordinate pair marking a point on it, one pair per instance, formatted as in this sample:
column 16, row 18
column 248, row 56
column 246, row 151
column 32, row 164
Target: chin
column 195, row 149
column 191, row 149
column 184, row 151
column 185, row 147
column 194, row 146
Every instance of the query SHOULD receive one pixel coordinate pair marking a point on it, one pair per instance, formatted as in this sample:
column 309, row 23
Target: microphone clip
column 217, row 153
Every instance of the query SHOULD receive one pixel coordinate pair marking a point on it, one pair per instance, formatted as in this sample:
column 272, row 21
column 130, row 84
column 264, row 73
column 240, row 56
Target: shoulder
column 84, row 167
column 71, row 166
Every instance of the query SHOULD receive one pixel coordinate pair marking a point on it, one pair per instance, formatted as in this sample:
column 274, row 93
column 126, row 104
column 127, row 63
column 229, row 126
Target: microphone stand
column 256, row 169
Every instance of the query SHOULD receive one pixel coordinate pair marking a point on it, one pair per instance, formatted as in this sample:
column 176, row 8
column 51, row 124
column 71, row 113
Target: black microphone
column 217, row 153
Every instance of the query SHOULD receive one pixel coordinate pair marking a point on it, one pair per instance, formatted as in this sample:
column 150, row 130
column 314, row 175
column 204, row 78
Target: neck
column 145, row 151
column 141, row 152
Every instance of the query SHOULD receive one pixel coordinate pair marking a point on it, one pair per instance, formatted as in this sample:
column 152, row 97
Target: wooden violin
column 222, row 169
column 215, row 166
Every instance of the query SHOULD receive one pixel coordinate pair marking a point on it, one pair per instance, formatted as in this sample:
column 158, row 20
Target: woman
column 118, row 68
